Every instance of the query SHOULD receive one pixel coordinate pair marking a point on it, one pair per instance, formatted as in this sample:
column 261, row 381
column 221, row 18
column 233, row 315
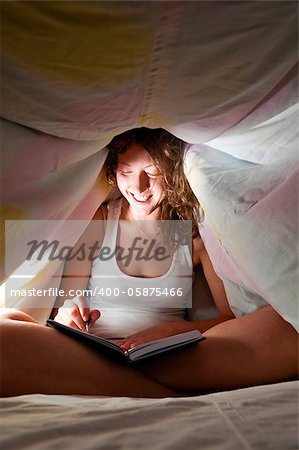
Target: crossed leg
column 259, row 348
column 39, row 359
column 256, row 349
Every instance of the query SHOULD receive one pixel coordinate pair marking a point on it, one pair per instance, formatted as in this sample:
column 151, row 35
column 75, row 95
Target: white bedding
column 262, row 417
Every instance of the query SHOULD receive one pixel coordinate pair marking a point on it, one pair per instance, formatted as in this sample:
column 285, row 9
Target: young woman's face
column 140, row 182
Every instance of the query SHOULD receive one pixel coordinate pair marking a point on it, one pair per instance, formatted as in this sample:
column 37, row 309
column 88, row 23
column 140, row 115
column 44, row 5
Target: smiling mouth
column 140, row 198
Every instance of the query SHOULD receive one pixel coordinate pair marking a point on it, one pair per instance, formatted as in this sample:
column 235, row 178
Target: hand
column 150, row 334
column 75, row 313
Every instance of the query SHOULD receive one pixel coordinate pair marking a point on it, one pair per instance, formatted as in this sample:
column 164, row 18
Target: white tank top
column 130, row 304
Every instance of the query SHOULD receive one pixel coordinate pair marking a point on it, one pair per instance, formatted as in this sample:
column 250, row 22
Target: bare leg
column 256, row 349
column 38, row 359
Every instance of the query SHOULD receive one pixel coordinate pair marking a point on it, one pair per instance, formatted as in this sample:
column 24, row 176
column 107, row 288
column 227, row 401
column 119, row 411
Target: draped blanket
column 220, row 75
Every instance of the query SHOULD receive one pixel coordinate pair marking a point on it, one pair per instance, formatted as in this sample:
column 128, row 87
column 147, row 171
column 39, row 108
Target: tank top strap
column 114, row 209
column 113, row 213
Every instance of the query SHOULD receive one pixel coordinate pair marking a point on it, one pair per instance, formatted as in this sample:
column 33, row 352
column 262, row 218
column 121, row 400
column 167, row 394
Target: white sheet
column 258, row 418
column 85, row 70
column 250, row 228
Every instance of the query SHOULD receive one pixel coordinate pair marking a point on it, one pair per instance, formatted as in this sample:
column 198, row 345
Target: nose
column 141, row 183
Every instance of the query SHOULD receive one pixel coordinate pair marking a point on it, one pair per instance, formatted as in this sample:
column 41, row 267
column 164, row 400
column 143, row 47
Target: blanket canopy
column 221, row 75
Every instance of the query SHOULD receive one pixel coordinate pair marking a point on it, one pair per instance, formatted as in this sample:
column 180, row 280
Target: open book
column 139, row 353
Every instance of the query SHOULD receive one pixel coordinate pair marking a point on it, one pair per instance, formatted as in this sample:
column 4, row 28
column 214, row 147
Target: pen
column 87, row 322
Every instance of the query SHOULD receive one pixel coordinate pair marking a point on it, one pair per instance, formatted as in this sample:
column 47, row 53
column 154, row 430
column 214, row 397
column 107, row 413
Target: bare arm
column 76, row 275
column 200, row 256
column 77, row 271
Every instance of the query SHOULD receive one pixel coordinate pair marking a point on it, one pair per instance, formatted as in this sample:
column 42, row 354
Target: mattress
column 261, row 417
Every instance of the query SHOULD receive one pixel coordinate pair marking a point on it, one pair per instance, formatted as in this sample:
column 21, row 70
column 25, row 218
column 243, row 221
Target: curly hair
column 167, row 153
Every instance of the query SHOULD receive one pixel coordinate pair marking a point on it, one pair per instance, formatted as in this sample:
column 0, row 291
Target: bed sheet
column 261, row 417
column 193, row 68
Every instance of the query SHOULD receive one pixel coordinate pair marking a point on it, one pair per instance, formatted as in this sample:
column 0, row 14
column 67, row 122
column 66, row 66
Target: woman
column 147, row 168
column 259, row 348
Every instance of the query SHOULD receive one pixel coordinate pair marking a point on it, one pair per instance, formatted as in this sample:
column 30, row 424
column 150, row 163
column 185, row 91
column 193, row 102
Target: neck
column 128, row 214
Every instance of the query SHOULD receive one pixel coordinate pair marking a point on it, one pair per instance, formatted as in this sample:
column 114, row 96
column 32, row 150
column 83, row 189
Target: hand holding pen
column 94, row 315
column 76, row 313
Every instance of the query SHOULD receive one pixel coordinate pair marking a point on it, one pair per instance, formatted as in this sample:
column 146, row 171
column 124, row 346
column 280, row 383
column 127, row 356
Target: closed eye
column 153, row 175
column 124, row 173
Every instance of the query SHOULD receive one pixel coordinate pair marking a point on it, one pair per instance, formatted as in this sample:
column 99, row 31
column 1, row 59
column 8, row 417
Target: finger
column 127, row 344
column 136, row 343
column 129, row 340
column 123, row 344
column 94, row 316
column 130, row 344
column 77, row 319
column 75, row 326
column 83, row 305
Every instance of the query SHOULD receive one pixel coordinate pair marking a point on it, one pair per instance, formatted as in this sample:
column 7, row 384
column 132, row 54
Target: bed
column 220, row 75
column 257, row 418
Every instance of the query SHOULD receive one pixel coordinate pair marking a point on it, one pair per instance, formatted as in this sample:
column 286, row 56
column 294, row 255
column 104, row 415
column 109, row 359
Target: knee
column 8, row 314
